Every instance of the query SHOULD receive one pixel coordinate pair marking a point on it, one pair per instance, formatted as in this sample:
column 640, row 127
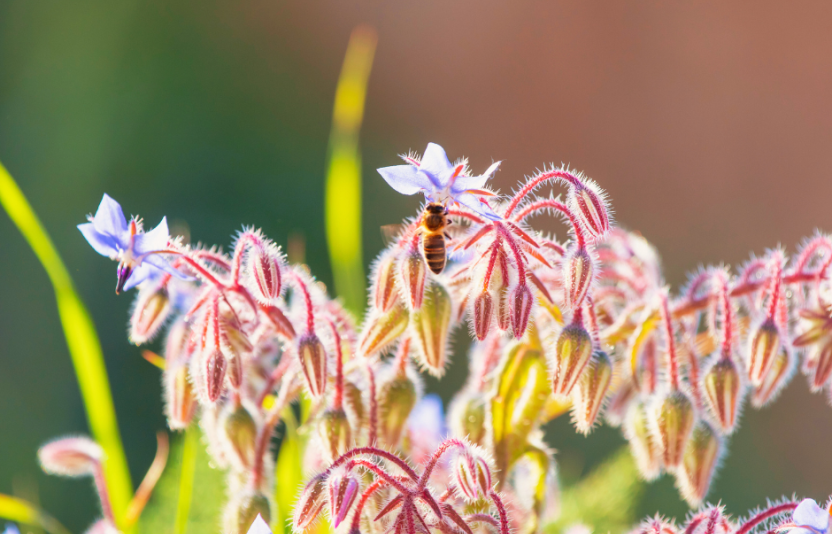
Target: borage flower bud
column 520, row 308
column 589, row 204
column 644, row 446
column 264, row 266
column 343, row 489
column 213, row 375
column 312, row 358
column 385, row 292
column 71, row 457
column 578, row 271
column 310, row 503
column 711, row 520
column 657, row 525
column 102, row 526
column 396, row 399
column 764, row 346
column 698, row 464
column 588, row 396
column 354, row 404
column 150, row 311
column 335, row 433
column 239, row 434
column 472, row 475
column 430, row 325
column 776, row 379
column 503, row 309
column 467, row 416
column 723, row 393
column 242, row 510
column 572, row 352
column 180, row 401
column 382, row 328
column 412, row 275
column 823, row 367
column 672, row 419
column 483, row 314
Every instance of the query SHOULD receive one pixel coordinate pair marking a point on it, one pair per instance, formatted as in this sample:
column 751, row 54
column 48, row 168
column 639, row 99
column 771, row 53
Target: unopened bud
column 150, row 311
column 577, row 276
column 235, row 371
column 467, row 416
column 587, row 202
column 711, row 520
column 672, row 420
column 239, row 434
column 71, row 457
column 280, row 322
column 698, row 464
column 656, row 525
column 396, row 398
column 180, row 401
column 313, row 362
column 310, row 502
column 343, row 490
column 520, row 308
column 776, row 379
column 472, row 475
column 242, row 510
column 214, row 375
column 589, row 394
column 723, row 393
column 764, row 346
column 354, row 404
column 646, row 374
column 823, row 367
column 483, row 314
column 382, row 328
column 430, row 325
column 102, row 526
column 335, row 433
column 503, row 309
column 412, row 274
column 264, row 270
column 385, row 292
column 644, row 446
column 572, row 352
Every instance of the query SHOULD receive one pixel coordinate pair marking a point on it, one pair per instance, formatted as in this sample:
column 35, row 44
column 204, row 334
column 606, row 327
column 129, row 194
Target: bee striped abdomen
column 433, row 245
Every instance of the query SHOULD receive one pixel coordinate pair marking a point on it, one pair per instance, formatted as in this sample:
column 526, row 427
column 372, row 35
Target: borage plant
column 584, row 323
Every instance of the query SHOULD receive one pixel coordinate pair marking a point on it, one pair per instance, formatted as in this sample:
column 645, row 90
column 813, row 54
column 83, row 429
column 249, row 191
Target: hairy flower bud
column 520, row 308
column 396, row 399
column 310, row 502
column 102, row 526
column 823, row 367
column 354, row 404
column 242, row 510
column 722, row 385
column 71, row 457
column 264, row 267
column 672, row 419
column 382, row 328
column 483, row 314
column 430, row 325
column 698, row 463
column 588, row 396
column 213, row 375
column 335, row 433
column 657, row 525
column 645, row 447
column 239, row 434
column 765, row 343
column 776, row 379
column 711, row 520
column 472, row 475
column 577, row 275
column 150, row 311
column 343, row 489
column 412, row 275
column 385, row 293
column 572, row 352
column 280, row 322
column 587, row 202
column 503, row 312
column 467, row 416
column 180, row 400
column 312, row 358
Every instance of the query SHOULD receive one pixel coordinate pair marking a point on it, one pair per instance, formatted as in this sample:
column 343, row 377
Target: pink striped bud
column 343, row 489
column 765, row 343
column 264, row 270
column 503, row 312
column 589, row 204
column 430, row 326
column 699, row 463
column 213, row 376
column 280, row 322
column 723, row 393
column 242, row 511
column 672, row 420
column 472, row 475
column 577, row 276
column 71, row 457
column 150, row 311
column 312, row 358
column 483, row 314
column 310, row 503
column 589, row 394
column 385, row 292
column 180, row 400
column 644, row 446
column 520, row 308
column 572, row 352
column 776, row 379
column 335, row 433
column 239, row 435
column 711, row 520
column 396, row 399
column 412, row 275
column 382, row 328
column 823, row 367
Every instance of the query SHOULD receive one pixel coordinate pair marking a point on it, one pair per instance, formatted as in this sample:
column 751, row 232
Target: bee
column 434, row 222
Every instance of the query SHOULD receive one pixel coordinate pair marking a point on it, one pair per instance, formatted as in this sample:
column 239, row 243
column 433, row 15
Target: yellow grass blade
column 20, row 511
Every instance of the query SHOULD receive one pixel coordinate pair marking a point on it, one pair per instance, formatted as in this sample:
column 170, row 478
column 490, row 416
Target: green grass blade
column 186, row 479
column 82, row 340
column 21, row 511
column 343, row 180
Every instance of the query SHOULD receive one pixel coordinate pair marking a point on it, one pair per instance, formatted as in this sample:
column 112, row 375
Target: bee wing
column 391, row 232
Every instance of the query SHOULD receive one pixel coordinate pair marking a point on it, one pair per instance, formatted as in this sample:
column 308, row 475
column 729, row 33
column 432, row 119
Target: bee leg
column 448, row 237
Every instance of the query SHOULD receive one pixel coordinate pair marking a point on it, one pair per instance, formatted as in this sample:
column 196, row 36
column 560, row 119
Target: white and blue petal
column 809, row 514
column 152, row 241
column 109, row 219
column 104, row 244
column 259, row 526
column 466, row 183
column 11, row 529
column 435, row 162
column 476, row 205
column 139, row 274
column 407, row 179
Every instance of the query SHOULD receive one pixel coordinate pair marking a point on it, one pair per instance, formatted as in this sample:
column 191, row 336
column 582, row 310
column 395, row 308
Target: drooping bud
column 671, row 422
column 646, row 373
column 343, row 490
column 588, row 204
column 644, row 446
column 520, row 308
column 213, row 375
column 699, row 463
column 656, row 525
column 823, row 367
column 280, row 322
column 150, row 311
column 472, row 475
column 235, row 371
column 180, row 400
column 396, row 399
column 242, row 510
column 765, row 343
column 382, row 328
column 503, row 309
column 335, row 433
column 776, row 379
column 572, row 352
column 430, row 325
column 264, row 266
column 588, row 396
column 577, row 276
column 723, row 393
column 71, row 457
column 711, row 520
column 483, row 314
column 312, row 358
column 385, row 292
column 467, row 416
column 310, row 503
column 354, row 404
column 239, row 434
column 412, row 275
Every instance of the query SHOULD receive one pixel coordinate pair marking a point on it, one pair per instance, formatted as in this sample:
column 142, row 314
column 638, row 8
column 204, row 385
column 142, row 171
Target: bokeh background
column 709, row 123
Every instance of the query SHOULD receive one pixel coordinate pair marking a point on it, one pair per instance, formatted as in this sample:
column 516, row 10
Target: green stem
column 186, row 479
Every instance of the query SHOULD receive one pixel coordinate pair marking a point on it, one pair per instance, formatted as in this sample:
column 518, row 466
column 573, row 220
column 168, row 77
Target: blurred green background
column 709, row 124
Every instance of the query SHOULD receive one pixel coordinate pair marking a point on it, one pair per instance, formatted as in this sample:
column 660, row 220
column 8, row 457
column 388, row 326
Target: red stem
column 356, row 518
column 765, row 514
column 518, row 256
column 103, row 494
column 495, row 247
column 310, row 316
column 672, row 362
column 501, row 509
column 444, row 447
column 528, row 187
column 338, row 396
column 381, row 473
column 373, row 451
column 550, row 203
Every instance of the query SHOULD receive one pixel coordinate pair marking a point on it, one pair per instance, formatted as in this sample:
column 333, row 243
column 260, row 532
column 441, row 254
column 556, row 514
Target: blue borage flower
column 809, row 518
column 441, row 181
column 138, row 253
